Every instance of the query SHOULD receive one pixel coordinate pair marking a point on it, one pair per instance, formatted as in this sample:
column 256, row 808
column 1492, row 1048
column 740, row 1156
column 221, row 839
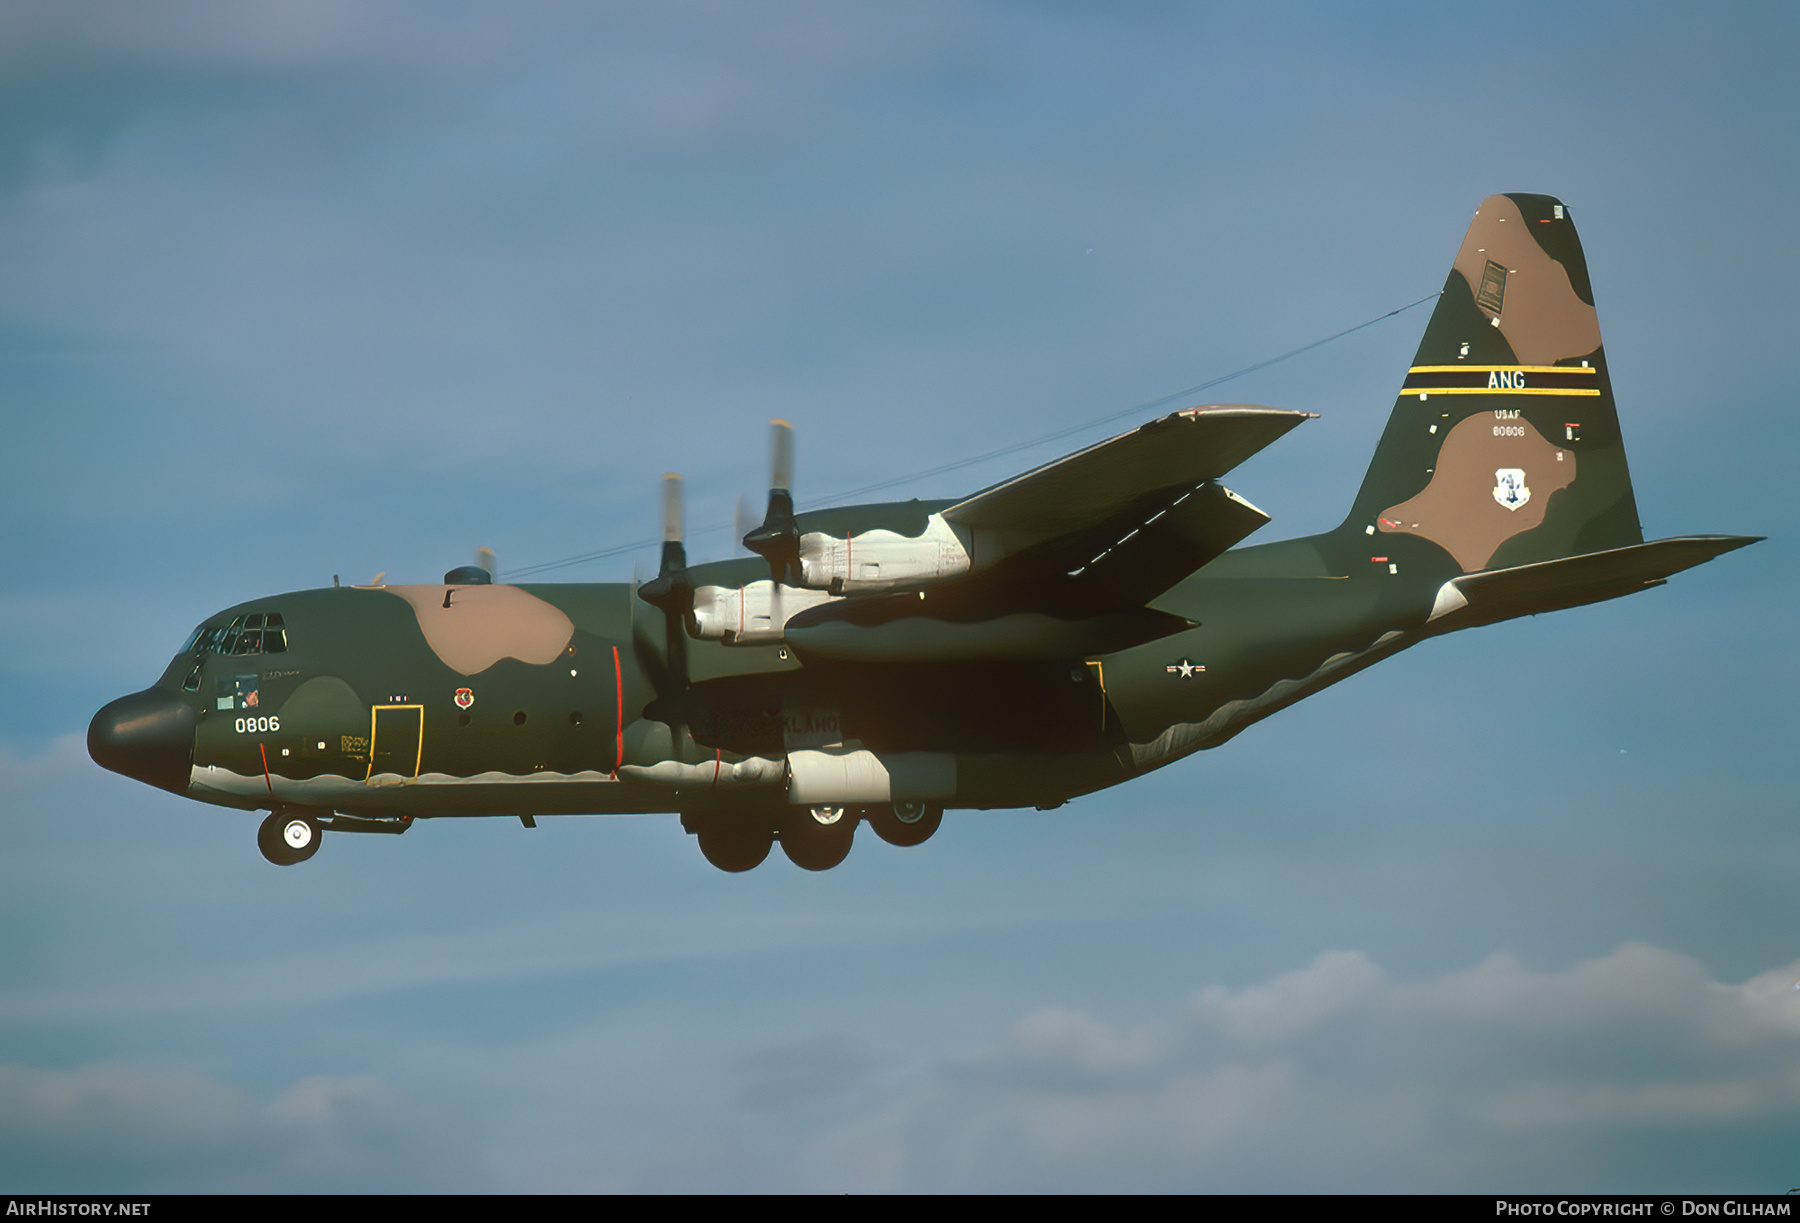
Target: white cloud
column 120, row 1128
column 1338, row 1077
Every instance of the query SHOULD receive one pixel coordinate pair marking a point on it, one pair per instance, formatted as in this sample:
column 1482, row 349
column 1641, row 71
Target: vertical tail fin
column 1503, row 448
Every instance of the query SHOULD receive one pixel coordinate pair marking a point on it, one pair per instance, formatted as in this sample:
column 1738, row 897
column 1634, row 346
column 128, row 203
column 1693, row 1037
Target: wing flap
column 1198, row 526
column 1083, row 489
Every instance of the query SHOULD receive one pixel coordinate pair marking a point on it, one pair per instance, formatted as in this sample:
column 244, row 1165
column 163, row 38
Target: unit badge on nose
column 464, row 698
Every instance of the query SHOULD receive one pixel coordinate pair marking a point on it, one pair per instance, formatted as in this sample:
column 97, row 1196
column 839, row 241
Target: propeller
column 777, row 540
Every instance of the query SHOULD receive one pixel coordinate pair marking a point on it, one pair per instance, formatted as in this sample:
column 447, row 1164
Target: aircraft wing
column 1077, row 594
column 1065, row 557
column 1082, row 491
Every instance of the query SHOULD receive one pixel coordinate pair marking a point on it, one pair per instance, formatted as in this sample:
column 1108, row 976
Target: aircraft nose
column 148, row 735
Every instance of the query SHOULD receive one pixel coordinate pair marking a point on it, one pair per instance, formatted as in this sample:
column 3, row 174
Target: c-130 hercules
column 1053, row 635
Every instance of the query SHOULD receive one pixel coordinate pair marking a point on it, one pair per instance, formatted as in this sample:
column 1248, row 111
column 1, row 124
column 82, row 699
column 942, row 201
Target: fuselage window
column 237, row 692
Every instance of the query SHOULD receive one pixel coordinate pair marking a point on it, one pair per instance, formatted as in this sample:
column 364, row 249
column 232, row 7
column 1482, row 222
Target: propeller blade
column 673, row 594
column 781, row 455
column 650, row 658
column 777, row 540
column 674, row 551
column 741, row 523
column 669, row 588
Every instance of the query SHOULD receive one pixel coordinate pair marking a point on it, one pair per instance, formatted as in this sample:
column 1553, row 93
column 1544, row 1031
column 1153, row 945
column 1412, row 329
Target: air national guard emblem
column 1509, row 487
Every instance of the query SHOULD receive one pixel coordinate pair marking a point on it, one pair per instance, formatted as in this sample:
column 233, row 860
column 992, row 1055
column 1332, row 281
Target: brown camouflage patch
column 1457, row 509
column 483, row 624
column 1544, row 320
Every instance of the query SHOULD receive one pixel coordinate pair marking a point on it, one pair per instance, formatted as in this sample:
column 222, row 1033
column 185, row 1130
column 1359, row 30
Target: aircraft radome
column 1055, row 634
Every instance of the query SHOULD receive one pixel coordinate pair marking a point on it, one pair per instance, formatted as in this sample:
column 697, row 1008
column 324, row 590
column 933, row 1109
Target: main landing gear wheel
column 287, row 837
column 818, row 838
column 734, row 847
column 905, row 823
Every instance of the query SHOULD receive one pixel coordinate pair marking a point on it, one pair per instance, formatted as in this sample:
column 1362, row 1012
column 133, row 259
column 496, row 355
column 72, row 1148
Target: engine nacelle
column 831, row 568
column 756, row 614
column 882, row 560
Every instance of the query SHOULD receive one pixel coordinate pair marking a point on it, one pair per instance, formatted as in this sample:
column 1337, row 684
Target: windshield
column 251, row 633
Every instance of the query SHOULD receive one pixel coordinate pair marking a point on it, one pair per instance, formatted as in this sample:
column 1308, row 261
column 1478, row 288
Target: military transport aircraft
column 1055, row 634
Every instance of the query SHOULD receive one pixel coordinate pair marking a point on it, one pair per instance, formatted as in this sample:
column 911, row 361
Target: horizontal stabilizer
column 1501, row 594
column 1084, row 489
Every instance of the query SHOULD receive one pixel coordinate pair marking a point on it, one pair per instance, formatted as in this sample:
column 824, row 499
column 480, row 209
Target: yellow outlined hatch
column 403, row 732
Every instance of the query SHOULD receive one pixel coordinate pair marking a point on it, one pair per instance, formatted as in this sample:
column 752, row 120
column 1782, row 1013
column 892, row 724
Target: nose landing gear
column 288, row 837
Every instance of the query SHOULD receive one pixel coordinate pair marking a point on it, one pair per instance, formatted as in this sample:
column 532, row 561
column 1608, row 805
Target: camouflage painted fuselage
column 372, row 711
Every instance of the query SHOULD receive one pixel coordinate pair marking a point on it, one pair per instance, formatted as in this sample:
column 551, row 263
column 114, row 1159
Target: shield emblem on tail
column 1509, row 487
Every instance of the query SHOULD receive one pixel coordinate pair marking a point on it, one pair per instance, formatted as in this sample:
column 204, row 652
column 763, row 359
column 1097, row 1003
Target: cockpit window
column 254, row 633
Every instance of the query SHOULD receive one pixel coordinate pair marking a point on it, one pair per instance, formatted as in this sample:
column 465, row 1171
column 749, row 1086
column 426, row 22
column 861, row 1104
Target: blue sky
column 350, row 288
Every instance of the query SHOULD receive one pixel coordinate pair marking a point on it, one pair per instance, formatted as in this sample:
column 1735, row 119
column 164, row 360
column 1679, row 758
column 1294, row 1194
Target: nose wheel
column 288, row 837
